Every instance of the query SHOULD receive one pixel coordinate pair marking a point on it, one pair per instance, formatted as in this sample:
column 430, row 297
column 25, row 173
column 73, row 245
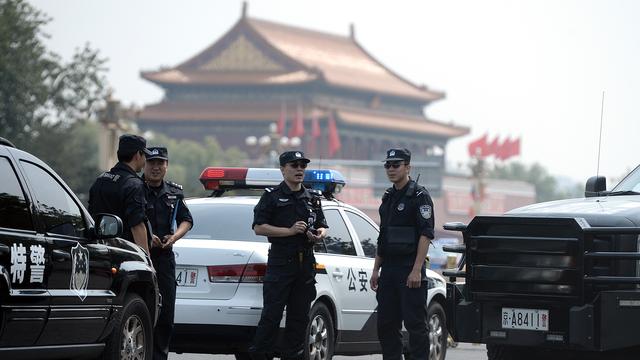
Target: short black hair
column 126, row 156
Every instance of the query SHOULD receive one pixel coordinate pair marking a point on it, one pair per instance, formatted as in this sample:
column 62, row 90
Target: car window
column 367, row 233
column 60, row 214
column 223, row 222
column 338, row 240
column 14, row 211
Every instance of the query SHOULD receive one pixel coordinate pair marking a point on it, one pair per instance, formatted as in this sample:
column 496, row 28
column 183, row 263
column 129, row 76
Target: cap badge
column 155, row 152
column 392, row 153
column 298, row 154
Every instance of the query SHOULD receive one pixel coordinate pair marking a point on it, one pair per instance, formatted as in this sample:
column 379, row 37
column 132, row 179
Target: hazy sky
column 530, row 69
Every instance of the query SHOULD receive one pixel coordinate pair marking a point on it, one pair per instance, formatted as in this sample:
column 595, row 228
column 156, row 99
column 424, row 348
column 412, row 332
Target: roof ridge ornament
column 352, row 31
column 244, row 9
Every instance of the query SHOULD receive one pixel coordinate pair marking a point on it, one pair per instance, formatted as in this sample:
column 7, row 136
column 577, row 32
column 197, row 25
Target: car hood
column 598, row 211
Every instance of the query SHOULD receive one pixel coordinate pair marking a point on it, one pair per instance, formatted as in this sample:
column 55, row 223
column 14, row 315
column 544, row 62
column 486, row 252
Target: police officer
column 120, row 191
column 170, row 220
column 406, row 229
column 291, row 217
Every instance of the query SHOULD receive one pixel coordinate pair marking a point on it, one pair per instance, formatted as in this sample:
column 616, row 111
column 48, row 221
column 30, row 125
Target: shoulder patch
column 315, row 192
column 171, row 183
column 268, row 190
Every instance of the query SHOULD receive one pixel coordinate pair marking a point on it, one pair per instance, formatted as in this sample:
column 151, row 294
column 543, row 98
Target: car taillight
column 249, row 273
column 254, row 273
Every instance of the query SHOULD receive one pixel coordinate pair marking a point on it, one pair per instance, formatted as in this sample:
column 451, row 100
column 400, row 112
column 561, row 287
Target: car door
column 80, row 278
column 347, row 271
column 24, row 299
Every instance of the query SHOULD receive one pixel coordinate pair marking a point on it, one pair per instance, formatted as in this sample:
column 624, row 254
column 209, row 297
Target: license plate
column 186, row 277
column 525, row 319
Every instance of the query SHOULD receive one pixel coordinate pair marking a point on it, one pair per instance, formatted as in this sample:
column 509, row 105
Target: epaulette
column 171, row 183
column 268, row 190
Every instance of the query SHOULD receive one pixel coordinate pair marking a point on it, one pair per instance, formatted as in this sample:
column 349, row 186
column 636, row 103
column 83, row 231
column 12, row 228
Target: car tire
column 321, row 333
column 132, row 336
column 437, row 331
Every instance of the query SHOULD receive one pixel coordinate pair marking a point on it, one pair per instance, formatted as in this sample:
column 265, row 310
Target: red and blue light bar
column 229, row 178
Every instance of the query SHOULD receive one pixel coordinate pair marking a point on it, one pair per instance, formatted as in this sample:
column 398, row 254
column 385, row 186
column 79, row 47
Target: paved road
column 462, row 352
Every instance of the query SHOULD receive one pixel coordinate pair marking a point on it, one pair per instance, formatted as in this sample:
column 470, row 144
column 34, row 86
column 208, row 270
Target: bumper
column 610, row 322
column 211, row 339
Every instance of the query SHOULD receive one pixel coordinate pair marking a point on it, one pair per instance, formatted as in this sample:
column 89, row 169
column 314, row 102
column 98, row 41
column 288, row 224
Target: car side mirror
column 595, row 186
column 108, row 226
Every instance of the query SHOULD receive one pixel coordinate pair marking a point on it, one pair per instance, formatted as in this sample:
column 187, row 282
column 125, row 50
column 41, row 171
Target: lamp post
column 270, row 145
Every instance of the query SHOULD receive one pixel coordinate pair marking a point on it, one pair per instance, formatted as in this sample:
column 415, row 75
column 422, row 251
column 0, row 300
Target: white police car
column 221, row 264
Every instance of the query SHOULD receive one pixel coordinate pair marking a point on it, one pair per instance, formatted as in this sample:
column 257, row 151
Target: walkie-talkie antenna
column 600, row 136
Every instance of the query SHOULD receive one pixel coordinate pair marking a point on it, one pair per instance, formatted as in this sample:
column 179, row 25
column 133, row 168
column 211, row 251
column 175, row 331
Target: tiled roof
column 263, row 52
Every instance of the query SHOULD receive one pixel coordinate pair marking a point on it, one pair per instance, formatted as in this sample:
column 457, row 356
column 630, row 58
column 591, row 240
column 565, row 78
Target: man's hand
column 373, row 282
column 298, row 228
column 318, row 236
column 414, row 279
column 156, row 242
column 167, row 241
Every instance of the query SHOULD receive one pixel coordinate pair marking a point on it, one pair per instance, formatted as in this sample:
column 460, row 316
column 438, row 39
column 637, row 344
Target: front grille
column 523, row 257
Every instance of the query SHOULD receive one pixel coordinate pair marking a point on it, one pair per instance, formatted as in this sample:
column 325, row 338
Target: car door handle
column 338, row 274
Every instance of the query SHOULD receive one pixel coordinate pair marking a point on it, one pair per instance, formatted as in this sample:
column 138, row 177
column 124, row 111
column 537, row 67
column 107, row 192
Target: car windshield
column 223, row 222
column 630, row 183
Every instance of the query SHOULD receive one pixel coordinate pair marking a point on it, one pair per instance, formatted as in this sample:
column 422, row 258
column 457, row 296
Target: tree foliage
column 188, row 158
column 46, row 104
column 547, row 186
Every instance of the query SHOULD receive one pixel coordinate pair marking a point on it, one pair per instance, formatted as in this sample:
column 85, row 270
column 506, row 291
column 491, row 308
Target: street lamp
column 270, row 145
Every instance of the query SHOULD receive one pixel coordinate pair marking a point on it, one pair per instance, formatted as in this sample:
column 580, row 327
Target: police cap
column 130, row 143
column 398, row 154
column 289, row 156
column 158, row 152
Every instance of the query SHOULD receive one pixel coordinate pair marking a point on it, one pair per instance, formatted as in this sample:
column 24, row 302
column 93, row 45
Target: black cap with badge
column 130, row 143
column 158, row 152
column 397, row 155
column 289, row 156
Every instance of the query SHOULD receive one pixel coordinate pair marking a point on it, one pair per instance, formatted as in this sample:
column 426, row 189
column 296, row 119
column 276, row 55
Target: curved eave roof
column 306, row 55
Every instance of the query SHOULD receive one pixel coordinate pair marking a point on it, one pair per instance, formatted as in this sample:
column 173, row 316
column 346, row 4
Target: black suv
column 68, row 288
column 553, row 280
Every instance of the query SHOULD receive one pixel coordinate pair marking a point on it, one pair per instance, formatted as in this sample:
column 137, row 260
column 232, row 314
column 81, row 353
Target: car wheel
column 132, row 336
column 321, row 333
column 438, row 335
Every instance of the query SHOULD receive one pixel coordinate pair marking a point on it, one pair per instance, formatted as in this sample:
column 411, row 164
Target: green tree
column 46, row 105
column 188, row 158
column 546, row 185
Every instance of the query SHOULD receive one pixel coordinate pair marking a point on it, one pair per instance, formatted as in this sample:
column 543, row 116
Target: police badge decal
column 425, row 211
column 79, row 271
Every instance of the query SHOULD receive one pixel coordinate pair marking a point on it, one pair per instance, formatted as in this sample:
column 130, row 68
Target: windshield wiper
column 623, row 192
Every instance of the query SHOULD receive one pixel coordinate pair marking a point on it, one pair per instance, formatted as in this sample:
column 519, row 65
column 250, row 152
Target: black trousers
column 165, row 264
column 291, row 283
column 398, row 303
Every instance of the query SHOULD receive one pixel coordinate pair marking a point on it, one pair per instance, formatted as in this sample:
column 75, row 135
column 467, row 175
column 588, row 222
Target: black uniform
column 166, row 210
column 290, row 276
column 405, row 215
column 120, row 191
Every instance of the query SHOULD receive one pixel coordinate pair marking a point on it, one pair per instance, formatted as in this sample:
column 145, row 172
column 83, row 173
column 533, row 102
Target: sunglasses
column 298, row 165
column 394, row 165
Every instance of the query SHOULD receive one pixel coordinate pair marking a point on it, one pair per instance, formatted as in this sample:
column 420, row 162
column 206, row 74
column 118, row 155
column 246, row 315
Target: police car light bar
column 226, row 178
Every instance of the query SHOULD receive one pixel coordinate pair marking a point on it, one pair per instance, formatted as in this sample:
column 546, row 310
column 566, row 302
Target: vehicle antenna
column 600, row 136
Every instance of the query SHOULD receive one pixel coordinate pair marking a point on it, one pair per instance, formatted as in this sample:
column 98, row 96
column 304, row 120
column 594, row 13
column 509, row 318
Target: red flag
column 315, row 134
column 298, row 124
column 282, row 120
column 508, row 149
column 334, row 137
column 515, row 147
column 478, row 147
column 492, row 148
